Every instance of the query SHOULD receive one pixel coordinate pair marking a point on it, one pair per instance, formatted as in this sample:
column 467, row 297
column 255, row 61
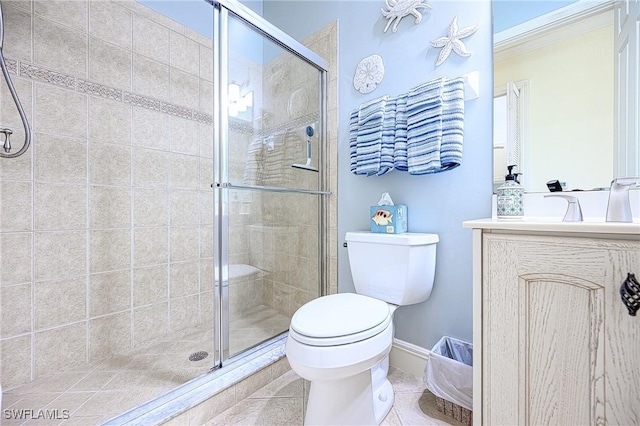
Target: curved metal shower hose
column 27, row 131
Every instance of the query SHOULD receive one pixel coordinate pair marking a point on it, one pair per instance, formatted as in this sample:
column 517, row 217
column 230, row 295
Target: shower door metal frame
column 221, row 186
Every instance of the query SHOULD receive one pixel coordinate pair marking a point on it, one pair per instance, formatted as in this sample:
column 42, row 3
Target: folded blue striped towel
column 452, row 124
column 353, row 140
column 420, row 132
column 400, row 144
column 368, row 137
column 424, row 127
column 388, row 136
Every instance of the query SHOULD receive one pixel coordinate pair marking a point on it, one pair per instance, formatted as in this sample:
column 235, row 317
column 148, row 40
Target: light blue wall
column 437, row 203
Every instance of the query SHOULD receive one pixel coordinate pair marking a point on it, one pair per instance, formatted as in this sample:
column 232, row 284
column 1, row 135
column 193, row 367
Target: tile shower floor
column 282, row 401
column 100, row 391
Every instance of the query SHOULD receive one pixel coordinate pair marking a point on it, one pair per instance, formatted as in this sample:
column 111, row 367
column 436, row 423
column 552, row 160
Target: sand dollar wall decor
column 369, row 73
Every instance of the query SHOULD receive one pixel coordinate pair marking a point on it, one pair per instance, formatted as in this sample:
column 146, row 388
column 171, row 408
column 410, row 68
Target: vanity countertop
column 540, row 224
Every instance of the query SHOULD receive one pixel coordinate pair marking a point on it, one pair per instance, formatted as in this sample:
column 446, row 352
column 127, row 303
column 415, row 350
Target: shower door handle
column 226, row 185
column 272, row 188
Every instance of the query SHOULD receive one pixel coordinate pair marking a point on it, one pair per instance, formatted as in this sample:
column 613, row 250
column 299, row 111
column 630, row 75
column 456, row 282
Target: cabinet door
column 545, row 340
column 622, row 379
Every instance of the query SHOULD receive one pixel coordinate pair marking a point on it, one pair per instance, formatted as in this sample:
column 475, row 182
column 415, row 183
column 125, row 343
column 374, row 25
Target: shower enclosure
column 156, row 228
column 269, row 206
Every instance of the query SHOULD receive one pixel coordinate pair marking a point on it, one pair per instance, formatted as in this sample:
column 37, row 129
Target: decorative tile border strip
column 34, row 72
column 142, row 101
column 12, row 66
column 242, row 127
column 202, row 117
column 178, row 111
column 96, row 89
column 99, row 90
column 41, row 74
column 299, row 122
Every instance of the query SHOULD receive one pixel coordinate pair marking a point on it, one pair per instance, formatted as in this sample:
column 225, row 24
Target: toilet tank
column 396, row 268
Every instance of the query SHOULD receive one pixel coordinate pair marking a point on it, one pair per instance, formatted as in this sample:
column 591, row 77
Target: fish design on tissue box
column 382, row 217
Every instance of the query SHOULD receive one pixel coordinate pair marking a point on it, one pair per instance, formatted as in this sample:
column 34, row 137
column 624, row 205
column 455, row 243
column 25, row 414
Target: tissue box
column 389, row 219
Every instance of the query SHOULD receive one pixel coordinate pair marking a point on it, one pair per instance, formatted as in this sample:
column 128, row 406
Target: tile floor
column 97, row 392
column 282, row 401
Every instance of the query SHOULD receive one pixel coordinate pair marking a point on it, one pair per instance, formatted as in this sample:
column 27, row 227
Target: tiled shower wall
column 106, row 222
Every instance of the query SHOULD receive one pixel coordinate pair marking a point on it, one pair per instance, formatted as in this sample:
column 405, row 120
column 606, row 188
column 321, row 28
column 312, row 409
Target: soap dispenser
column 510, row 196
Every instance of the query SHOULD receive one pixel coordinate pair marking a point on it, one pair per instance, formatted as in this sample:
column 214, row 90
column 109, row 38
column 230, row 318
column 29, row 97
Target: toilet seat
column 339, row 319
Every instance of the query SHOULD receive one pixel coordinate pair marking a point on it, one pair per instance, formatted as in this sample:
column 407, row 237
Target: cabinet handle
column 630, row 294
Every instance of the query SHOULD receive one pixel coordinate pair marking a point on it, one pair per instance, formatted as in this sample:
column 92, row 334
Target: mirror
column 554, row 94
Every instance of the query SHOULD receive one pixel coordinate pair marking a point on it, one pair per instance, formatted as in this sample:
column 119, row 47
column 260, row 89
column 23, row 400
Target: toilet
column 341, row 342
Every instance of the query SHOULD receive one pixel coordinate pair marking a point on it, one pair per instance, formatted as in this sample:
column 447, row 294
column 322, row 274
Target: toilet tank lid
column 405, row 239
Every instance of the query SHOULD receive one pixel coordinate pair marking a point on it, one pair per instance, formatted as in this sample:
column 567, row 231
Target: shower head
column 6, row 146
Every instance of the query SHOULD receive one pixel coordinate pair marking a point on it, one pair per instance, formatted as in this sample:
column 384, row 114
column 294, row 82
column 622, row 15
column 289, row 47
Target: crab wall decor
column 398, row 9
column 452, row 41
column 369, row 73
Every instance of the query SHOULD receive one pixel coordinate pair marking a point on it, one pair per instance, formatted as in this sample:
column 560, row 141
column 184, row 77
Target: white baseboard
column 408, row 357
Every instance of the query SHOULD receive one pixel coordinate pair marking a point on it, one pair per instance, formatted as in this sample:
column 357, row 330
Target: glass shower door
column 270, row 182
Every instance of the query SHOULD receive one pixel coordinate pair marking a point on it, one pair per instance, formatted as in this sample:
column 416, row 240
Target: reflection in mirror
column 554, row 93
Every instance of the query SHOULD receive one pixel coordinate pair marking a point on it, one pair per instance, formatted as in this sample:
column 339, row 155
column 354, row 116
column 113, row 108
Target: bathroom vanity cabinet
column 553, row 342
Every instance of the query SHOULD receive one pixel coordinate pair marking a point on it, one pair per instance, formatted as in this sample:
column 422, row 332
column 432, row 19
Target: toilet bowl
column 341, row 342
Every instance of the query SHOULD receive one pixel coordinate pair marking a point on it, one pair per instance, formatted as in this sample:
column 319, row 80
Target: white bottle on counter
column 510, row 197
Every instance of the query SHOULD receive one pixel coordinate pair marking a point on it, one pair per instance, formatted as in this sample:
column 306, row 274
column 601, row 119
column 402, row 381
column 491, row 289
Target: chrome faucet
column 619, row 207
column 574, row 212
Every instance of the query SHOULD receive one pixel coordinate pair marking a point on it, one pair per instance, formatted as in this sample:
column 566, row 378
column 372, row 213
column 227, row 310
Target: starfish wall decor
column 452, row 41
